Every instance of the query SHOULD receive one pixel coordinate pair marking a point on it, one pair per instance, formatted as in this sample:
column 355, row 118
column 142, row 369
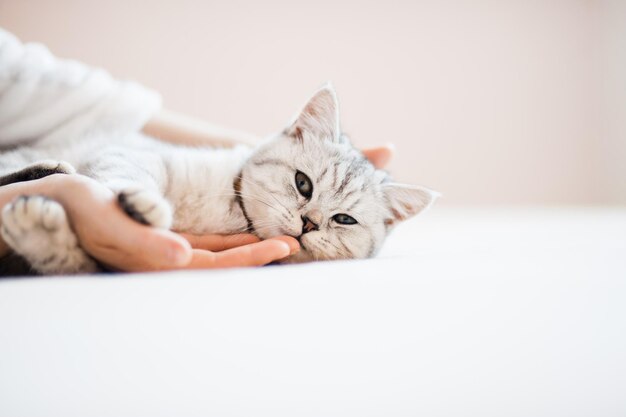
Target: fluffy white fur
column 206, row 190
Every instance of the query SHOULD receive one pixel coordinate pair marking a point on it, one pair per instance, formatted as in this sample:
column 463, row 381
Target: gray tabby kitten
column 307, row 182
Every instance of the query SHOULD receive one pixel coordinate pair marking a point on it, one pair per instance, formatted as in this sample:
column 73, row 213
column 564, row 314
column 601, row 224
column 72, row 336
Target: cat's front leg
column 37, row 170
column 37, row 228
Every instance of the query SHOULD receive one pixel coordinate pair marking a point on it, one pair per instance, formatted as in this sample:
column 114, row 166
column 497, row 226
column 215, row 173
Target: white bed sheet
column 466, row 312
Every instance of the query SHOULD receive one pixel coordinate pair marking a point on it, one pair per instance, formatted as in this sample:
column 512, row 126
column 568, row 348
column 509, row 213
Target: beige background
column 489, row 102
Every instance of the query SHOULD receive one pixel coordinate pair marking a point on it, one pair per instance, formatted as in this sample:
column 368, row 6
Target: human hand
column 117, row 241
column 105, row 231
column 379, row 156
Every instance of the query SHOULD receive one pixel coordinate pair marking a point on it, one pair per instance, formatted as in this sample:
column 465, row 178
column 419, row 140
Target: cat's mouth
column 298, row 238
column 302, row 245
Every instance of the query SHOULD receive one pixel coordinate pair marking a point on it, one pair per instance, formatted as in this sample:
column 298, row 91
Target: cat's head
column 311, row 183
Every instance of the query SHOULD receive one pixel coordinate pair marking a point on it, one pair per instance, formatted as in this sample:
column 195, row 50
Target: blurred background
column 489, row 102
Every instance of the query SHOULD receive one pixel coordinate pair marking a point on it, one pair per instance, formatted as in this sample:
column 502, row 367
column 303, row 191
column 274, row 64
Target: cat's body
column 197, row 182
column 307, row 182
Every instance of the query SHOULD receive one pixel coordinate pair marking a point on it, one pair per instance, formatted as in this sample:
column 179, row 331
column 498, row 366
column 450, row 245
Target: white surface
column 466, row 313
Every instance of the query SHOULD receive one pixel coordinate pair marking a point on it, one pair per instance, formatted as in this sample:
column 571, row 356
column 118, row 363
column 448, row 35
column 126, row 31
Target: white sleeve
column 43, row 97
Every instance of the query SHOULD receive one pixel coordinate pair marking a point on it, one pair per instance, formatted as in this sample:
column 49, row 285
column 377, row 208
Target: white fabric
column 43, row 97
column 517, row 312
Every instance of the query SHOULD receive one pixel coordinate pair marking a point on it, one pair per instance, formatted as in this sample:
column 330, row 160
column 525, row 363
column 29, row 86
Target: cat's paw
column 146, row 207
column 51, row 166
column 37, row 228
column 28, row 214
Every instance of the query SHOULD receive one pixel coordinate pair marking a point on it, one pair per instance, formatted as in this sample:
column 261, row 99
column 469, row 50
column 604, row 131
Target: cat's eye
column 342, row 218
column 304, row 184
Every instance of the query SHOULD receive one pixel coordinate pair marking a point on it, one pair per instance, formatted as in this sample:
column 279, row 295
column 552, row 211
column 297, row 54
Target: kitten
column 307, row 182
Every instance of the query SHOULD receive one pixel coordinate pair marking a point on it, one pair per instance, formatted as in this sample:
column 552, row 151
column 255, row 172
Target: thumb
column 158, row 248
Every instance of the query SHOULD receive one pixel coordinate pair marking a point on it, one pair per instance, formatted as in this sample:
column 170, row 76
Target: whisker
column 329, row 243
column 250, row 196
column 264, row 190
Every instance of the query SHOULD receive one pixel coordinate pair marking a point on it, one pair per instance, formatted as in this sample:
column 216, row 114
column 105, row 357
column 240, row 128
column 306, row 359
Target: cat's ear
column 405, row 201
column 319, row 117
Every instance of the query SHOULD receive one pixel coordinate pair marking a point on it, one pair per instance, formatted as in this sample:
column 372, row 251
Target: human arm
column 181, row 129
column 46, row 98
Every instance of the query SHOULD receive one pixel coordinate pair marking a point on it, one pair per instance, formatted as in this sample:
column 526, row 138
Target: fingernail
column 294, row 249
column 178, row 256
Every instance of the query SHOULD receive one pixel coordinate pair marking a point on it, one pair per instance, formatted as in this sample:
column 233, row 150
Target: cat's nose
column 308, row 225
column 315, row 216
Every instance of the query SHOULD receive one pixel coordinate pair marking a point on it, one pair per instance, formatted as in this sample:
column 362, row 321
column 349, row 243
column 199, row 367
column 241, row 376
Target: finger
column 255, row 254
column 294, row 245
column 163, row 248
column 153, row 249
column 379, row 156
column 143, row 248
column 219, row 242
column 122, row 243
